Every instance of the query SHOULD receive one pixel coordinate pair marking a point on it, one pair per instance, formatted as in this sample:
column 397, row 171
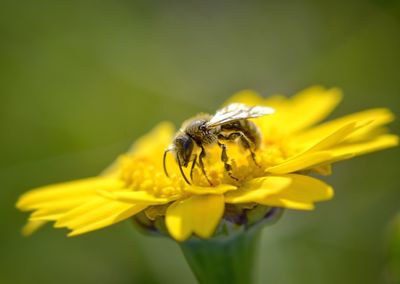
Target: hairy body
column 228, row 124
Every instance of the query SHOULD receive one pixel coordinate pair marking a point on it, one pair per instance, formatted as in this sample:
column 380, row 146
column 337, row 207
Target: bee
column 228, row 124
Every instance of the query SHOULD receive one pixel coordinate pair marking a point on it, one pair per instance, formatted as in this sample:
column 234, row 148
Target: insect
column 228, row 124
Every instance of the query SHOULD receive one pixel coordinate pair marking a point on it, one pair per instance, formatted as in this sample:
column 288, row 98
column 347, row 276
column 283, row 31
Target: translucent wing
column 238, row 111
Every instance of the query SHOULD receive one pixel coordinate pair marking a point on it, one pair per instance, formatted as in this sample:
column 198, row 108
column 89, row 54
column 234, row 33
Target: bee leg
column 201, row 157
column 246, row 143
column 225, row 159
column 192, row 168
column 182, row 172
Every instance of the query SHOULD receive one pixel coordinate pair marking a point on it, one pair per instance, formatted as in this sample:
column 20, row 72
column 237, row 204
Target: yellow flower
column 293, row 146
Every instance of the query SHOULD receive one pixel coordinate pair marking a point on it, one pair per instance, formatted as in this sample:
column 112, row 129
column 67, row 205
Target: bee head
column 183, row 148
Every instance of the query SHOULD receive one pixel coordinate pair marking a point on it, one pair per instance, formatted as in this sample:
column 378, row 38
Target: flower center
column 243, row 167
column 145, row 173
column 142, row 174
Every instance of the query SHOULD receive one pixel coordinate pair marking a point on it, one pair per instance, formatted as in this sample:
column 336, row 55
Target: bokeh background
column 81, row 80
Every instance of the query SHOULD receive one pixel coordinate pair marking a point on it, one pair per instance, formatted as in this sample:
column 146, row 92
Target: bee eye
column 186, row 144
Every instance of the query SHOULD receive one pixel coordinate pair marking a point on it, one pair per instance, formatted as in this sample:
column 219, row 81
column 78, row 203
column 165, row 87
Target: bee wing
column 237, row 111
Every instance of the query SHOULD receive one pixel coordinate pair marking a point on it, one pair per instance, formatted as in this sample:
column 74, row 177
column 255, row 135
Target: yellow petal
column 31, row 227
column 378, row 117
column 136, row 197
column 220, row 189
column 293, row 114
column 311, row 106
column 97, row 213
column 118, row 216
column 319, row 152
column 325, row 170
column 335, row 137
column 257, row 189
column 300, row 162
column 277, row 201
column 306, row 188
column 73, row 192
column 346, row 151
column 292, row 190
column 302, row 192
column 46, row 215
column 379, row 143
column 199, row 214
column 89, row 209
column 52, row 211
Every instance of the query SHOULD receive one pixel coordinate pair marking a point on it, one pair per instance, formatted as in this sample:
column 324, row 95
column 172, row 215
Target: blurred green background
column 81, row 80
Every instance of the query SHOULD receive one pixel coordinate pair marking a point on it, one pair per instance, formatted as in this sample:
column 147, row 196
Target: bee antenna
column 182, row 172
column 165, row 161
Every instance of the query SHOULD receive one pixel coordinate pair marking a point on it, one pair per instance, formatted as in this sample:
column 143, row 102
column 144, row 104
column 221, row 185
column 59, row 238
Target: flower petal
column 199, row 214
column 290, row 191
column 319, row 152
column 346, row 151
column 301, row 194
column 97, row 213
column 293, row 114
column 379, row 143
column 220, row 189
column 311, row 106
column 136, row 197
column 301, row 162
column 378, row 117
column 324, row 170
column 31, row 227
column 66, row 195
column 335, row 137
column 287, row 203
column 118, row 216
column 257, row 189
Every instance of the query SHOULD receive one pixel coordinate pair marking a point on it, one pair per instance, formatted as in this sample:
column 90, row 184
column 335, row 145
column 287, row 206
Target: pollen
column 244, row 168
column 141, row 174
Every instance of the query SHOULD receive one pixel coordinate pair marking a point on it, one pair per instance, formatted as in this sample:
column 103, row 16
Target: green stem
column 223, row 260
column 230, row 257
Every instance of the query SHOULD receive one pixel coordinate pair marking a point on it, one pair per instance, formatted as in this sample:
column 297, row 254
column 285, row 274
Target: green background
column 81, row 80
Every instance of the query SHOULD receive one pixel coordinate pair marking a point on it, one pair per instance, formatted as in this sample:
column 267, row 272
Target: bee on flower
column 254, row 155
column 228, row 124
